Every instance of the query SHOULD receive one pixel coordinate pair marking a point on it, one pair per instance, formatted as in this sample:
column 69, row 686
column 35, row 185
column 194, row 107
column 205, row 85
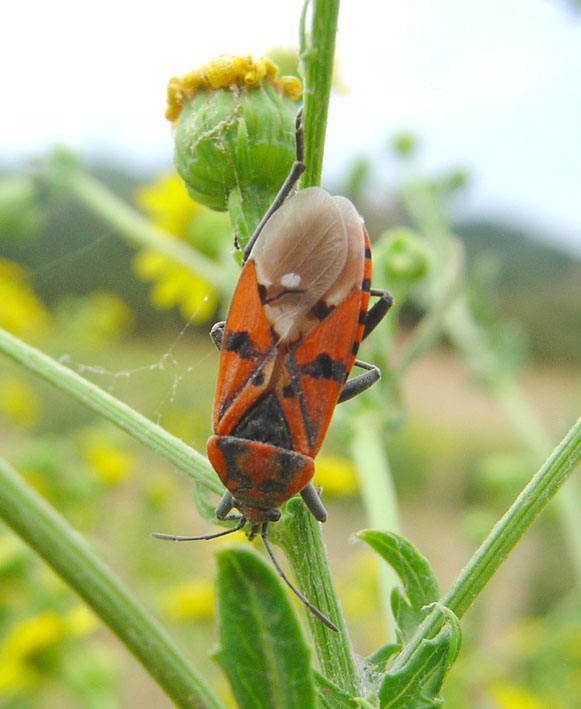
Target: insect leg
column 217, row 333
column 315, row 611
column 313, row 502
column 175, row 538
column 225, row 505
column 378, row 311
column 361, row 382
column 291, row 180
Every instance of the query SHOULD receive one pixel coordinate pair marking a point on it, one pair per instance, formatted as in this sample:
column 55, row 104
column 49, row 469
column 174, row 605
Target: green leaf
column 329, row 696
column 420, row 582
column 415, row 675
column 382, row 654
column 429, row 633
column 262, row 648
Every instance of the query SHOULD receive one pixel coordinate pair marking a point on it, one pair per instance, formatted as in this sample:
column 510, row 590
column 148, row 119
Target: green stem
column 532, row 433
column 503, row 537
column 507, row 532
column 303, row 544
column 301, row 538
column 123, row 416
column 136, row 228
column 379, row 499
column 68, row 554
column 317, row 54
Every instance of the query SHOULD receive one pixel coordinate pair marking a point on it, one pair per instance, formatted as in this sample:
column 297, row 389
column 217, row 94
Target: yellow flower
column 193, row 600
column 80, row 621
column 335, row 475
column 224, row 71
column 111, row 463
column 176, row 285
column 167, row 203
column 21, row 312
column 23, row 648
column 512, row 696
column 18, row 401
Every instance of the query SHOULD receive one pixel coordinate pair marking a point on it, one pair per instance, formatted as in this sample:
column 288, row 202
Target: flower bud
column 404, row 256
column 235, row 135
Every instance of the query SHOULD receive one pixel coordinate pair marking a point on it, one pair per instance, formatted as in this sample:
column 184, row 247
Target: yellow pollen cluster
column 224, row 71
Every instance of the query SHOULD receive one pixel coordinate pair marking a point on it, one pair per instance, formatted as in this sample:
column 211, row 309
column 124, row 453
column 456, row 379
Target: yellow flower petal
column 335, row 475
column 190, row 601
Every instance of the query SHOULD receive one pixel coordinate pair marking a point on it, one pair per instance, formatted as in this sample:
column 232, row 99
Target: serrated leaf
column 262, row 648
column 415, row 675
column 419, row 581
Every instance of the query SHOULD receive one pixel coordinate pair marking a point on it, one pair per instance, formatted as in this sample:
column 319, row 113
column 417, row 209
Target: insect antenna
column 315, row 611
column 175, row 538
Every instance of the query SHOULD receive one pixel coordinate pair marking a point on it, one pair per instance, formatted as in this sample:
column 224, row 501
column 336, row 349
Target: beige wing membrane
column 309, row 250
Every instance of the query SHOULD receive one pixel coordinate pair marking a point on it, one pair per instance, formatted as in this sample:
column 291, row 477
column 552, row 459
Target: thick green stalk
column 317, row 54
column 508, row 531
column 123, row 416
column 301, row 538
column 304, row 548
column 70, row 556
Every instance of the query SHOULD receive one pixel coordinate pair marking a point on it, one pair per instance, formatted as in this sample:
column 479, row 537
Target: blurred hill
column 539, row 286
column 534, row 284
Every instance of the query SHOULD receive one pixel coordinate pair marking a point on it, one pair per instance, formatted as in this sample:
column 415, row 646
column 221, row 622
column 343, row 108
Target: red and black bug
column 297, row 316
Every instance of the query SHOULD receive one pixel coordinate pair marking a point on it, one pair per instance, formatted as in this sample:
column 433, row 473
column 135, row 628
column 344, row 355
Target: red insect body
column 294, row 326
column 289, row 342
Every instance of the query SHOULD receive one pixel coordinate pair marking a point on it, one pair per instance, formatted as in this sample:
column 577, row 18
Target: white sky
column 494, row 86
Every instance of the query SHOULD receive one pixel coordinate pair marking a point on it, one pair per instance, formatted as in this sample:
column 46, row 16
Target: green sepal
column 262, row 648
column 234, row 148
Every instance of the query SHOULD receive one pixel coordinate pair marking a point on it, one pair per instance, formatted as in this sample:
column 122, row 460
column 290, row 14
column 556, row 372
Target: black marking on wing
column 265, row 421
column 256, row 378
column 320, row 309
column 284, row 291
column 288, row 391
column 366, row 284
column 239, row 341
column 325, row 367
column 231, row 450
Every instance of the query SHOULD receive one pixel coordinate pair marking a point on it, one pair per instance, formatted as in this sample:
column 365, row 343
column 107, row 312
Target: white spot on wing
column 310, row 249
column 290, row 280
